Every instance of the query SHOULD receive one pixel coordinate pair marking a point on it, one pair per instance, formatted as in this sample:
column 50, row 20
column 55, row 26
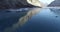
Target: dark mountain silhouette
column 14, row 4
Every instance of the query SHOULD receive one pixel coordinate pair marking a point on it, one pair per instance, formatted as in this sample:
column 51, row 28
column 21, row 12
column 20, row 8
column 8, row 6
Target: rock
column 14, row 4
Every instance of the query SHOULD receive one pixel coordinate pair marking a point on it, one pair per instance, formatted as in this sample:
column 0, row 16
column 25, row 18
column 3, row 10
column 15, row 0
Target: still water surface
column 35, row 20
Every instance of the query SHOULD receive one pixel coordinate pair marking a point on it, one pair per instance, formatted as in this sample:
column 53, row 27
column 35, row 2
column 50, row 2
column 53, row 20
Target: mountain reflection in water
column 22, row 20
column 34, row 20
column 56, row 11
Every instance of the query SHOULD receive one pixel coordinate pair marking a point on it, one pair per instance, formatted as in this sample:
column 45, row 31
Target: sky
column 46, row 1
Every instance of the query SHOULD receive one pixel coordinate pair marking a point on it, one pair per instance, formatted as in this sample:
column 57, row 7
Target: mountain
column 14, row 4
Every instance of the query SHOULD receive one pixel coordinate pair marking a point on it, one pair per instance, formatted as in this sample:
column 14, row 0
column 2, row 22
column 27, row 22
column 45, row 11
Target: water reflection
column 44, row 21
column 22, row 20
column 32, row 20
column 56, row 11
column 9, row 18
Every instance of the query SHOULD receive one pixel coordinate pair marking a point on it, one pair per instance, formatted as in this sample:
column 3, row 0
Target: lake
column 32, row 20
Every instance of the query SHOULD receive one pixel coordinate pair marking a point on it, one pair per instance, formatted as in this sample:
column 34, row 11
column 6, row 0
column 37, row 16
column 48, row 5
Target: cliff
column 14, row 4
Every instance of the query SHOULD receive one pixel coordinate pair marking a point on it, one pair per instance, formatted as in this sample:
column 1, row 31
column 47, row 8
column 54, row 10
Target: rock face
column 40, row 3
column 56, row 3
column 14, row 4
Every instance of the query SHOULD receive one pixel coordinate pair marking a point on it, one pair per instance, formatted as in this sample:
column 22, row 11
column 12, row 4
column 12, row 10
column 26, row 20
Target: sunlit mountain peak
column 40, row 3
